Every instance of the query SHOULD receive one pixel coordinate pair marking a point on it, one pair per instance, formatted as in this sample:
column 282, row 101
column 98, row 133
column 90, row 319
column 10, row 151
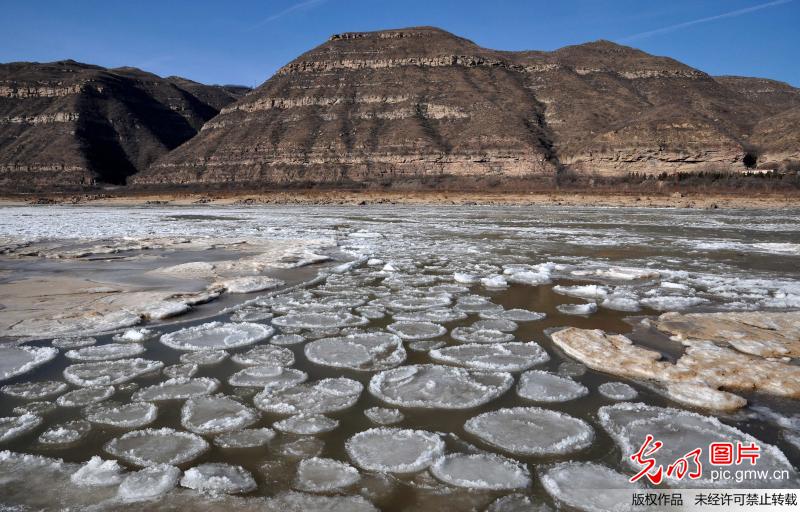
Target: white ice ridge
column 531, row 431
column 438, row 386
column 394, row 450
column 319, row 397
column 508, row 357
column 362, row 352
column 15, row 361
column 216, row 336
column 481, row 471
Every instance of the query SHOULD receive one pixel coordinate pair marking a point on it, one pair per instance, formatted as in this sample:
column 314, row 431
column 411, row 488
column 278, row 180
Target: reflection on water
column 733, row 260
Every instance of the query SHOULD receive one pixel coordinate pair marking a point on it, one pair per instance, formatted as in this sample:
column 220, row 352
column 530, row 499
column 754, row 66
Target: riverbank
column 356, row 197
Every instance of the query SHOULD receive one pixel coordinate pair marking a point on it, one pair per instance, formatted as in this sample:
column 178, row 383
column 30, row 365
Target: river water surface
column 466, row 265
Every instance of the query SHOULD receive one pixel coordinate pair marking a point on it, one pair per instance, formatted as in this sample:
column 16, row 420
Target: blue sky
column 245, row 42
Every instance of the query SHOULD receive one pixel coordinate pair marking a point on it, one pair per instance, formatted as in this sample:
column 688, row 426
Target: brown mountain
column 421, row 104
column 66, row 124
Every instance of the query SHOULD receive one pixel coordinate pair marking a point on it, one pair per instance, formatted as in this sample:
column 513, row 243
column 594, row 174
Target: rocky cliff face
column 421, row 103
column 67, row 124
column 380, row 107
column 411, row 107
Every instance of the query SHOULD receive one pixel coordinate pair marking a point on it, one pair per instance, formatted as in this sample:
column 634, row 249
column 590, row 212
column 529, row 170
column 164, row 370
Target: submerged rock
column 438, row 387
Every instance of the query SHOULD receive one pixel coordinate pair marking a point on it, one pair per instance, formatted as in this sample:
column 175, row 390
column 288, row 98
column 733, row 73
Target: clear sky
column 244, row 42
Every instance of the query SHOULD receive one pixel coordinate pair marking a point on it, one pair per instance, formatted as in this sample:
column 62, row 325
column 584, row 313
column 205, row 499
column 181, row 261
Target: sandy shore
column 565, row 198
